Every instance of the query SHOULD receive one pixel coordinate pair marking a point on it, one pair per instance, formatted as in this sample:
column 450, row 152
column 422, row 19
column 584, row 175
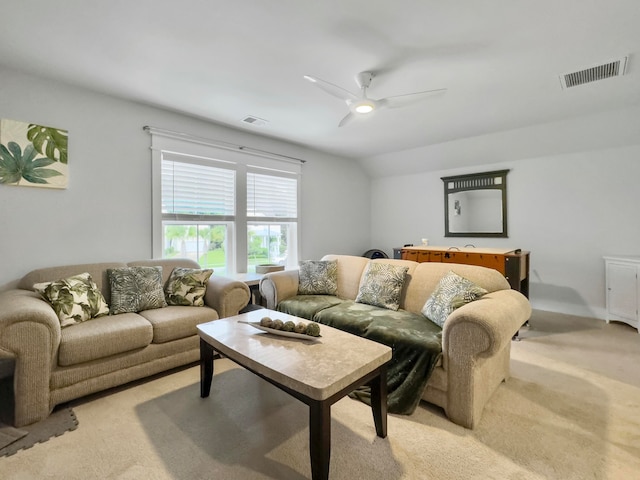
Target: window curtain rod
column 219, row 144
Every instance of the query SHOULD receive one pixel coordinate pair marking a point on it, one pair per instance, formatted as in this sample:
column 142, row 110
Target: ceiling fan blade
column 408, row 98
column 331, row 89
column 347, row 119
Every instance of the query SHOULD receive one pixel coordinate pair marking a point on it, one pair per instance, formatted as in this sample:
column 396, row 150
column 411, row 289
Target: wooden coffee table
column 318, row 373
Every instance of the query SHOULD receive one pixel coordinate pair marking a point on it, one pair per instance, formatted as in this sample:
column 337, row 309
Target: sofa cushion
column 318, row 277
column 103, row 337
column 134, row 289
column 425, row 278
column 306, row 306
column 360, row 318
column 98, row 272
column 187, row 286
column 350, row 316
column 452, row 292
column 167, row 264
column 174, row 322
column 416, row 344
column 350, row 270
column 382, row 284
column 74, row 299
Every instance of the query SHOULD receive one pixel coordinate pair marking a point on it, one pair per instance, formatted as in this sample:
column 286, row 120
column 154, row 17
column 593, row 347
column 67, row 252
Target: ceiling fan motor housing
column 363, row 79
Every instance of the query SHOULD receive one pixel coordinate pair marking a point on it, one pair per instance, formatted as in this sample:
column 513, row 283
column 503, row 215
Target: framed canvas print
column 33, row 155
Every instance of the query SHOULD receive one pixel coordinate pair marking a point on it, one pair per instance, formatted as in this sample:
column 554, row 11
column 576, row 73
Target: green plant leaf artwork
column 16, row 165
column 33, row 155
column 50, row 142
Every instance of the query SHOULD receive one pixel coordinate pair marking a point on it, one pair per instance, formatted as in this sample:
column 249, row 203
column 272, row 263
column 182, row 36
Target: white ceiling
column 223, row 60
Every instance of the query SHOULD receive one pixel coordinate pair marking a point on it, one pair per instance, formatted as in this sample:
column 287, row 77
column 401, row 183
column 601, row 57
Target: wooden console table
column 512, row 263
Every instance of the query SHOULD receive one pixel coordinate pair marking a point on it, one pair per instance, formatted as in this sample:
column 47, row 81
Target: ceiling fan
column 363, row 105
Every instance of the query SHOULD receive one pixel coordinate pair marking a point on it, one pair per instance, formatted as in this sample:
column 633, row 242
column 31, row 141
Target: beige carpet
column 571, row 410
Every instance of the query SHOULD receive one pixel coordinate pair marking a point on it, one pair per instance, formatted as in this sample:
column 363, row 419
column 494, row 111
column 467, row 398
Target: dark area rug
column 14, row 439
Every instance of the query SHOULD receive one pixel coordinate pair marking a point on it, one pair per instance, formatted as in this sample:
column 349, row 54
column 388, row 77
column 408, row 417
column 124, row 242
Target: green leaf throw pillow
column 318, row 277
column 187, row 286
column 381, row 285
column 452, row 292
column 75, row 299
column 134, row 289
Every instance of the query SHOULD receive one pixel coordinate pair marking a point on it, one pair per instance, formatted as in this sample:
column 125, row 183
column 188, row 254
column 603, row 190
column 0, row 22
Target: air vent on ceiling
column 614, row 68
column 258, row 122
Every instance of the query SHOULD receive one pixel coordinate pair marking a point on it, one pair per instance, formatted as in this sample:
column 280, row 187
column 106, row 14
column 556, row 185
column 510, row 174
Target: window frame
column 203, row 151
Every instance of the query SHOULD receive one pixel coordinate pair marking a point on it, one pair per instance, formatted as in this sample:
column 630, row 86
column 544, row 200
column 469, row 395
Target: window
column 272, row 211
column 227, row 210
column 198, row 210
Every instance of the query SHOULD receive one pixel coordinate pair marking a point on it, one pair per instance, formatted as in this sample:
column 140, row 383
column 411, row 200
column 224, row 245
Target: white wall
column 105, row 213
column 568, row 210
column 596, row 131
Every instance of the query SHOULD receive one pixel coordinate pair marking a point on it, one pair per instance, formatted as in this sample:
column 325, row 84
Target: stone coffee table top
column 317, row 368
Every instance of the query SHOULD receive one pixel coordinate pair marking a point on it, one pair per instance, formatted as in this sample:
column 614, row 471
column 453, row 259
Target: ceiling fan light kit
column 361, row 105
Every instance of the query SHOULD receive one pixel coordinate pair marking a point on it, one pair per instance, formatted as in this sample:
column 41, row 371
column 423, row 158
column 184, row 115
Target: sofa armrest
column 29, row 332
column 278, row 286
column 18, row 308
column 226, row 296
column 483, row 327
column 476, row 345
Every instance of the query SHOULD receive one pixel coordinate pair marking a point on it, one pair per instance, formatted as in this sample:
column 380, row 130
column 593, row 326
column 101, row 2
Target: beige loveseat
column 476, row 338
column 54, row 365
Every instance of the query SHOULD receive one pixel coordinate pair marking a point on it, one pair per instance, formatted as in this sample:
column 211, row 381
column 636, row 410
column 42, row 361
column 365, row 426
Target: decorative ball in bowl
column 311, row 329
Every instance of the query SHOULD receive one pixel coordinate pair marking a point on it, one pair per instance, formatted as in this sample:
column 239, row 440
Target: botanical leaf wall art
column 33, row 155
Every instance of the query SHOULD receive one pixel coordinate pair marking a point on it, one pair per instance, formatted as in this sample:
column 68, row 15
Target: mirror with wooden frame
column 475, row 205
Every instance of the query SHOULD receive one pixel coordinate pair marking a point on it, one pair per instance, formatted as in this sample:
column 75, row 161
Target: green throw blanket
column 416, row 343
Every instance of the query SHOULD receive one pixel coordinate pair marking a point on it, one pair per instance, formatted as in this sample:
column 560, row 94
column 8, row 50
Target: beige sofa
column 54, row 365
column 476, row 339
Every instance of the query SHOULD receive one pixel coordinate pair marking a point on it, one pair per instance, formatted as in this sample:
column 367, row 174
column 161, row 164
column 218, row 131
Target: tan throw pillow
column 134, row 289
column 75, row 299
column 381, row 285
column 452, row 292
column 187, row 286
column 318, row 277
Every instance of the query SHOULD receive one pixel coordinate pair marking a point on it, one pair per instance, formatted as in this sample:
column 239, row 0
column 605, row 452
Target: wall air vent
column 251, row 120
column 614, row 68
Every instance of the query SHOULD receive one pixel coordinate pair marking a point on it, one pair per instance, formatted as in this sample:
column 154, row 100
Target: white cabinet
column 623, row 289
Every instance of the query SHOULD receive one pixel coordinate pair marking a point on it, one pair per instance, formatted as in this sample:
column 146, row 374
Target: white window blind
column 190, row 189
column 228, row 207
column 272, row 197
